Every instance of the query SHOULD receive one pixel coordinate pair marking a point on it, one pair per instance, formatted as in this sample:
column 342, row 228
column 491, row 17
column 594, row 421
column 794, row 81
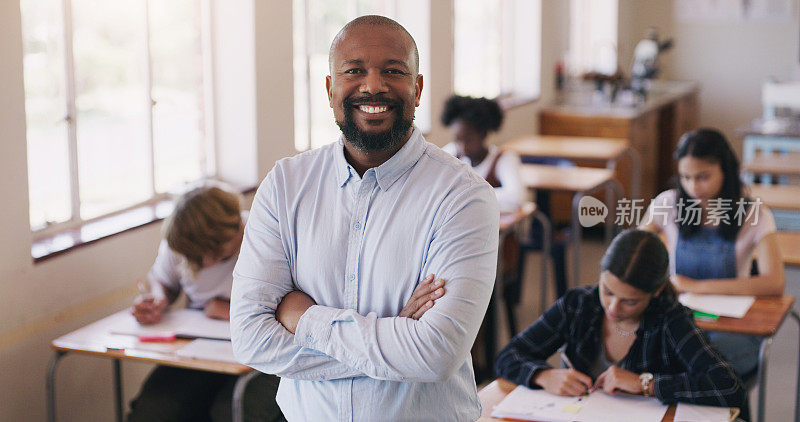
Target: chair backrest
column 779, row 94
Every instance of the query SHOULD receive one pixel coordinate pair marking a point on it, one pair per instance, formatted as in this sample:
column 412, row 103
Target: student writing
column 626, row 334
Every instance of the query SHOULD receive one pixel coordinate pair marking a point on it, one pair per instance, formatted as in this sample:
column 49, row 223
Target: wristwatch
column 646, row 378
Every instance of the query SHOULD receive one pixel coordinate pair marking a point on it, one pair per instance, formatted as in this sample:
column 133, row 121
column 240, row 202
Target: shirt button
column 357, row 226
column 351, row 277
column 309, row 338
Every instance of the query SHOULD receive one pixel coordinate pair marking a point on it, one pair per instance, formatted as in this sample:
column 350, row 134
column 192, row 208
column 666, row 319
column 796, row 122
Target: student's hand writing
column 218, row 308
column 423, row 297
column 616, row 379
column 292, row 307
column 563, row 382
column 682, row 283
column 148, row 310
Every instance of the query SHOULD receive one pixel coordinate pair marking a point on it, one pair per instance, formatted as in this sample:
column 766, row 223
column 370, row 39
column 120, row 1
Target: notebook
column 538, row 405
column 722, row 305
column 184, row 323
column 202, row 348
column 696, row 413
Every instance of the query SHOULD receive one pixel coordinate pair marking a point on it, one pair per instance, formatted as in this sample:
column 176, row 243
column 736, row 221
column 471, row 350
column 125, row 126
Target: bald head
column 374, row 21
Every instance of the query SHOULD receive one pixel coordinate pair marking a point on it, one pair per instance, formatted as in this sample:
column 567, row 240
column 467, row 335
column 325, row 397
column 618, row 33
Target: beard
column 379, row 141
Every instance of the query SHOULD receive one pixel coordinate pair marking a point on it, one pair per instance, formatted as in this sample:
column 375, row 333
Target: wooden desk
column 787, row 164
column 576, row 148
column 789, row 245
column 96, row 340
column 763, row 319
column 653, row 128
column 495, row 392
column 580, row 182
column 780, row 197
column 784, row 200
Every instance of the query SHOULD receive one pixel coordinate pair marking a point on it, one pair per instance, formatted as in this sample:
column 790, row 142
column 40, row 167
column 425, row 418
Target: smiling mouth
column 370, row 109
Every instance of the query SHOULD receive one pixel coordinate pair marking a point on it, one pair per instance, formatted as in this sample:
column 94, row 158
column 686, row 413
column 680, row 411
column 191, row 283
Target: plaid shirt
column 668, row 344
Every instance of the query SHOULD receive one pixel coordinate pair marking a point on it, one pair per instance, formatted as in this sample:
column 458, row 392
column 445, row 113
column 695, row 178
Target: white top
column 359, row 245
column 511, row 194
column 209, row 283
column 746, row 240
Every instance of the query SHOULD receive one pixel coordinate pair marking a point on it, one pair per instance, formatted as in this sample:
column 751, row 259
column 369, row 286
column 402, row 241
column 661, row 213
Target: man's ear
column 418, row 87
column 329, row 89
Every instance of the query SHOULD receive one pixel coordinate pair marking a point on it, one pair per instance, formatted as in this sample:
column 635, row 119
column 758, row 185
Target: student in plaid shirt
column 627, row 334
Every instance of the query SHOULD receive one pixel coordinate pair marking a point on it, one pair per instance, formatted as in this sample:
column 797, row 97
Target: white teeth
column 373, row 109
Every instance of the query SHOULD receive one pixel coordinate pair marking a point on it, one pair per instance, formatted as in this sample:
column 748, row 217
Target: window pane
column 110, row 89
column 48, row 157
column 477, row 48
column 177, row 80
column 312, row 38
column 593, row 36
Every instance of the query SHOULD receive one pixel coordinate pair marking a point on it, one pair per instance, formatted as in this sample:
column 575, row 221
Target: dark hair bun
column 483, row 114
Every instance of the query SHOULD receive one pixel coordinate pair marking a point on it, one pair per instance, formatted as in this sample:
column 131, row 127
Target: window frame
column 352, row 10
column 510, row 94
column 208, row 164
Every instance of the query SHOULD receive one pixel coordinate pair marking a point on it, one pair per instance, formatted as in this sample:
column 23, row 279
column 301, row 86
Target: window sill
column 511, row 101
column 60, row 243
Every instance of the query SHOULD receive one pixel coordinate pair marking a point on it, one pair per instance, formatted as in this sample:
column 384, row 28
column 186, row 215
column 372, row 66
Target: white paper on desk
column 722, row 305
column 189, row 323
column 696, row 413
column 215, row 350
column 526, row 404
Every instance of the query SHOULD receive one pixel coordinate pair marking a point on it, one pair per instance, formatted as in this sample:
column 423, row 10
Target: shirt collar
column 388, row 172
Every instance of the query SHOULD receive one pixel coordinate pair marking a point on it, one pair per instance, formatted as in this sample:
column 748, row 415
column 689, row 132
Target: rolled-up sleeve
column 261, row 278
column 463, row 251
column 527, row 352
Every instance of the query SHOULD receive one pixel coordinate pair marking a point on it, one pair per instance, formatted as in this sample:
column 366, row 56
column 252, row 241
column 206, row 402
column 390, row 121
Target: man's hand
column 218, row 309
column 422, row 299
column 148, row 310
column 563, row 382
column 682, row 283
column 292, row 307
column 616, row 379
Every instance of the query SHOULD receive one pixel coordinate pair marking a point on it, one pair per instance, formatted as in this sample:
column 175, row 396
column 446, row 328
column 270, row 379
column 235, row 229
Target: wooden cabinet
column 653, row 129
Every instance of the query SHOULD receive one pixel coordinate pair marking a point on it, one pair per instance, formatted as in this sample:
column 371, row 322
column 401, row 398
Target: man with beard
column 338, row 239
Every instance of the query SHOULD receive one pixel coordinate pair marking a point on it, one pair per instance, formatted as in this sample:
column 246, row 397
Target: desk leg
column 51, row 385
column 636, row 173
column 576, row 238
column 547, row 238
column 796, row 317
column 238, row 394
column 118, row 389
column 762, row 377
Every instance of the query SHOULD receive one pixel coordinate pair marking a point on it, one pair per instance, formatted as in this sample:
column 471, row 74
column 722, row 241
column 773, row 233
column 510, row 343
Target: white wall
column 729, row 60
column 42, row 301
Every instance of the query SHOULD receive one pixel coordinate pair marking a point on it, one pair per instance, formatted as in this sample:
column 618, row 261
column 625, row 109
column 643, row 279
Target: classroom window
column 115, row 104
column 316, row 22
column 497, row 48
column 593, row 36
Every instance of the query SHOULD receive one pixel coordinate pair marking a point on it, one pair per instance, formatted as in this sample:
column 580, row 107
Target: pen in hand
column 569, row 364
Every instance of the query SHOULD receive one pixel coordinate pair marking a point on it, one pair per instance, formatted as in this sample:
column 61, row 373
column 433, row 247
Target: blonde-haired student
column 197, row 255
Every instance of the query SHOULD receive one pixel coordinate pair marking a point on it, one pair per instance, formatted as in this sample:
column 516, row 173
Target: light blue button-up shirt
column 359, row 246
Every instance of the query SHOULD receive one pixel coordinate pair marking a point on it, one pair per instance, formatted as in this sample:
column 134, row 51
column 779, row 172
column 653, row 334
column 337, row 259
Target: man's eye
column 395, row 72
column 352, row 71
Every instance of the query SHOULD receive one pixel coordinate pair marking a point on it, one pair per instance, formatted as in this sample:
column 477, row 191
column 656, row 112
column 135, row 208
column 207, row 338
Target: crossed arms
column 331, row 343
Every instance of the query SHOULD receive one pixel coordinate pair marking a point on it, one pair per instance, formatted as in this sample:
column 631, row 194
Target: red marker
column 157, row 338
